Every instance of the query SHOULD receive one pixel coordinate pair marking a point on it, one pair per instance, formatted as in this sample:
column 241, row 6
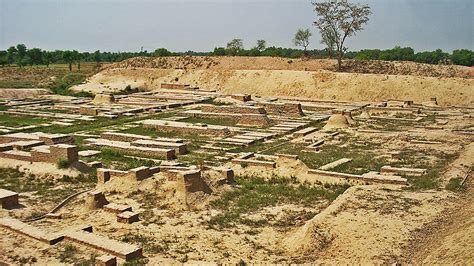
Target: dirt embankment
column 22, row 93
column 274, row 63
column 319, row 84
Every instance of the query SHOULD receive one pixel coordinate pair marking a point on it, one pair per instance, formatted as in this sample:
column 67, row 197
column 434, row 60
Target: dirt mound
column 406, row 68
column 274, row 63
column 339, row 233
column 319, row 84
column 22, row 93
column 336, row 121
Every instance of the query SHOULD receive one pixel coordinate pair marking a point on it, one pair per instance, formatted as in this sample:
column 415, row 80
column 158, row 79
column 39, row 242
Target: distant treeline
column 20, row 55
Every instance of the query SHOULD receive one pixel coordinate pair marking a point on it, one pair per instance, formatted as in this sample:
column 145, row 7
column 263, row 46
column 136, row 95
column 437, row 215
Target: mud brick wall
column 140, row 173
column 233, row 117
column 191, row 181
column 10, row 201
column 95, row 200
column 391, row 110
column 233, row 109
column 190, row 130
column 180, row 148
column 242, row 97
column 8, row 139
column 56, row 153
column 165, row 154
column 174, row 86
column 62, row 139
column 122, row 137
column 255, row 163
column 283, row 109
column 86, row 110
column 67, row 139
column 255, row 120
column 15, row 156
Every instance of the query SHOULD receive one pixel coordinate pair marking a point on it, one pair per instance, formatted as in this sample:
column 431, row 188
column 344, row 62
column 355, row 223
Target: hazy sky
column 201, row 25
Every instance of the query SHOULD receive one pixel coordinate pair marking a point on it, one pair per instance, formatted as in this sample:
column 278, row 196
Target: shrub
column 455, row 184
column 63, row 164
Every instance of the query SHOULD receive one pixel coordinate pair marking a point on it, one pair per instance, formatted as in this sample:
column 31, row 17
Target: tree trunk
column 339, row 63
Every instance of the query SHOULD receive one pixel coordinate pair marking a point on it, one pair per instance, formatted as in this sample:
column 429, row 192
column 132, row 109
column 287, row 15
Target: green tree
column 235, row 46
column 47, row 57
column 340, row 20
column 328, row 38
column 76, row 57
column 261, row 45
column 219, row 51
column 68, row 58
column 162, row 52
column 36, row 56
column 12, row 53
column 302, row 38
column 97, row 58
column 463, row 57
column 3, row 58
column 21, row 53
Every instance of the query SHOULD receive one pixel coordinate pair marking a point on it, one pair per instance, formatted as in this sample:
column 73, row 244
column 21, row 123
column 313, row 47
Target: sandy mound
column 340, row 232
column 318, row 84
column 275, row 63
column 364, row 115
column 336, row 121
column 103, row 99
column 22, row 93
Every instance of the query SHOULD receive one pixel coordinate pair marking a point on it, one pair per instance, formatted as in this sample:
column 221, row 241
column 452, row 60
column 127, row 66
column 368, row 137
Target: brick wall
column 283, row 109
column 233, row 109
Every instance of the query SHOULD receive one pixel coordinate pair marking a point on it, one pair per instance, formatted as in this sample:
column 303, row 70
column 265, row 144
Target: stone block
column 95, row 200
column 242, row 97
column 8, row 199
column 191, row 181
column 106, row 260
column 127, row 217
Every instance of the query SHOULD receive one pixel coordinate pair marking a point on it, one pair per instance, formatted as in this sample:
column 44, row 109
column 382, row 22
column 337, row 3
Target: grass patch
column 255, row 193
column 147, row 242
column 119, row 161
column 62, row 164
column 46, row 188
column 16, row 84
column 455, row 185
column 15, row 121
column 61, row 86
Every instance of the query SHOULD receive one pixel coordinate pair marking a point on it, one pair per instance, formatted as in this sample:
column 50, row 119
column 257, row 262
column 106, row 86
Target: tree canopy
column 302, row 38
column 338, row 20
column 32, row 55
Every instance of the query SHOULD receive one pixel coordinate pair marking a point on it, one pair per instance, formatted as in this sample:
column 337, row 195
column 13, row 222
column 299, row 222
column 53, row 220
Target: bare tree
column 338, row 20
column 302, row 38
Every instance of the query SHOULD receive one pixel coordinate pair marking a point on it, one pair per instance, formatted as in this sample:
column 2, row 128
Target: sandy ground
column 449, row 238
column 320, row 84
column 22, row 93
column 37, row 168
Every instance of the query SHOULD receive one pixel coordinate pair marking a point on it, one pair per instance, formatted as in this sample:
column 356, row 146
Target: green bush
column 455, row 184
column 63, row 164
